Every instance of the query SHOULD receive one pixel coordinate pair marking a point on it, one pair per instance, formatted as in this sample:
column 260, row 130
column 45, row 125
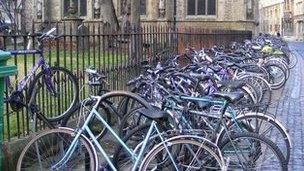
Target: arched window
column 125, row 7
column 250, row 9
column 79, row 7
column 201, row 7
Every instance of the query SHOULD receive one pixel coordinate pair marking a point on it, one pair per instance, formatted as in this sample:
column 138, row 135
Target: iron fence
column 118, row 55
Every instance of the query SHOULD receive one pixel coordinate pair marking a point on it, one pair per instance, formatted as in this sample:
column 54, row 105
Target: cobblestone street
column 289, row 108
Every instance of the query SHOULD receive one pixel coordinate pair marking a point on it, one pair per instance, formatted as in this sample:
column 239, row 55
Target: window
column 125, row 7
column 201, row 7
column 271, row 13
column 249, row 9
column 79, row 7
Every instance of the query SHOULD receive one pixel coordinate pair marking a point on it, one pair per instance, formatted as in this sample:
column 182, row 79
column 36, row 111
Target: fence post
column 4, row 71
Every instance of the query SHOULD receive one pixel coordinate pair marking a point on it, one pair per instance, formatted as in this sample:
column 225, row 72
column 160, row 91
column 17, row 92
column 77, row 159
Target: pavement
column 292, row 39
column 290, row 108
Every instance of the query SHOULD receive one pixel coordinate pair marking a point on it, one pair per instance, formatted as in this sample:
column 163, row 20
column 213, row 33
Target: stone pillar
column 162, row 9
column 39, row 9
column 96, row 9
column 170, row 10
column 181, row 10
column 135, row 13
column 152, row 9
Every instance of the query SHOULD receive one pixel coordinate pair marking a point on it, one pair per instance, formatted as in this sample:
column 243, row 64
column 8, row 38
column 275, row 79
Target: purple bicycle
column 51, row 93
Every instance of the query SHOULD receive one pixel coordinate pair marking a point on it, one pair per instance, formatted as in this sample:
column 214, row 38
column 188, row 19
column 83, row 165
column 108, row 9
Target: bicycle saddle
column 152, row 113
column 232, row 84
column 229, row 96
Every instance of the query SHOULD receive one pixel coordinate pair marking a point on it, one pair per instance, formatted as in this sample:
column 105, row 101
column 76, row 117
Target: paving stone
column 289, row 109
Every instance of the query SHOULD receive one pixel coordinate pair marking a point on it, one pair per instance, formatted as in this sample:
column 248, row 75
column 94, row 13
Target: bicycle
column 218, row 130
column 47, row 84
column 65, row 145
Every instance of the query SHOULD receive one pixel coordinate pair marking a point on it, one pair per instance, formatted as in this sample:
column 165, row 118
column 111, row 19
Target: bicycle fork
column 49, row 82
column 69, row 153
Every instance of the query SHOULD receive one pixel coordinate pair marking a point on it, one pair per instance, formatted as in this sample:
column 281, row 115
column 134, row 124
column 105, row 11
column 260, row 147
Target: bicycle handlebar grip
column 50, row 31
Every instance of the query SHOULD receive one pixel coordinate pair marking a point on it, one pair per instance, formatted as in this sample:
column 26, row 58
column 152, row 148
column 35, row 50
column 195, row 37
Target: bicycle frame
column 39, row 63
column 225, row 108
column 85, row 128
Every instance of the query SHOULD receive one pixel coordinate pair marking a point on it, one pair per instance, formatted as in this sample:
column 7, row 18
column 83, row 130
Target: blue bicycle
column 53, row 91
column 67, row 149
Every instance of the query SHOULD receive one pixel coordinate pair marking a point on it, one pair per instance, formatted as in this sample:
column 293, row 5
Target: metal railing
column 117, row 54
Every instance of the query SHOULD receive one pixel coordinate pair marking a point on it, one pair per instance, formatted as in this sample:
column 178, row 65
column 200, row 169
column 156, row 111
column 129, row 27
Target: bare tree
column 125, row 12
column 135, row 13
column 12, row 10
column 136, row 40
column 108, row 13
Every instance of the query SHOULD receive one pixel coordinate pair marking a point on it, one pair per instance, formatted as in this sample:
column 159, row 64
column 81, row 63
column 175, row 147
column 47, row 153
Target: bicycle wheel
column 278, row 74
column 281, row 62
column 132, row 120
column 262, row 86
column 79, row 113
column 121, row 158
column 250, row 151
column 181, row 154
column 55, row 91
column 293, row 60
column 131, row 100
column 48, row 148
column 264, row 125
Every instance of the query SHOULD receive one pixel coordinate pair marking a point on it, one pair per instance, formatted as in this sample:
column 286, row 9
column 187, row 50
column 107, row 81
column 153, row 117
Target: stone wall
column 229, row 14
column 271, row 17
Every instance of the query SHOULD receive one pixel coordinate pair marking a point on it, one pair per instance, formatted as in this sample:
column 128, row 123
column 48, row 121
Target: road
column 290, row 108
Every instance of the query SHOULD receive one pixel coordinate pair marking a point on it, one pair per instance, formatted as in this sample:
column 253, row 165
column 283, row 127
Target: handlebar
column 41, row 37
column 95, row 77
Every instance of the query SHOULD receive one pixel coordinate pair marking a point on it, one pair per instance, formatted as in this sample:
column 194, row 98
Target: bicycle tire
column 293, row 61
column 276, row 85
column 96, row 127
column 60, row 113
column 280, row 62
column 261, row 139
column 285, row 148
column 89, row 157
column 128, row 101
column 120, row 156
column 180, row 142
column 263, row 86
column 127, row 125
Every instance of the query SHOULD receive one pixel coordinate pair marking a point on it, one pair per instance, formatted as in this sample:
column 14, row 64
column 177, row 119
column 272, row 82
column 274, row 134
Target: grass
column 70, row 60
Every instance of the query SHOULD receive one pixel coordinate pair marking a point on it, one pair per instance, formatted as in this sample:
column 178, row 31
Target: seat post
column 223, row 110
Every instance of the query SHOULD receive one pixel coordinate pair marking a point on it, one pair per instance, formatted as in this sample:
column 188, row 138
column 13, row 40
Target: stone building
column 213, row 14
column 298, row 18
column 271, row 16
column 288, row 24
